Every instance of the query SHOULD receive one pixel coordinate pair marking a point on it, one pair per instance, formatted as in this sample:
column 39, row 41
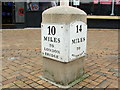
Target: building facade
column 29, row 14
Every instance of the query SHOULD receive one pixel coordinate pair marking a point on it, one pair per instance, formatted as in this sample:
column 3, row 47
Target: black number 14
column 79, row 28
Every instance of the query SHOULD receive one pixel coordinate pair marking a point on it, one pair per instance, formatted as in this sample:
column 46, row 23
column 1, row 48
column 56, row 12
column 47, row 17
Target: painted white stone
column 78, row 38
column 53, row 42
column 64, row 42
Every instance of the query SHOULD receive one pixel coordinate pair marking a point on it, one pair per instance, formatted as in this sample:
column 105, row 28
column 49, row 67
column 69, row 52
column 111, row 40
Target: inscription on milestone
column 64, row 44
column 52, row 41
column 78, row 33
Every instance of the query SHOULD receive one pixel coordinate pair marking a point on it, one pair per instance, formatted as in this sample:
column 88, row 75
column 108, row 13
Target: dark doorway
column 7, row 12
column 33, row 15
column 33, row 19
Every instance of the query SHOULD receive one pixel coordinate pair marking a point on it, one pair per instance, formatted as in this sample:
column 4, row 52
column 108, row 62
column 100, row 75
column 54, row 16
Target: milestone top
column 63, row 14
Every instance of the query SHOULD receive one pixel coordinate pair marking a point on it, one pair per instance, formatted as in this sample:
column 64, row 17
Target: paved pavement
column 22, row 63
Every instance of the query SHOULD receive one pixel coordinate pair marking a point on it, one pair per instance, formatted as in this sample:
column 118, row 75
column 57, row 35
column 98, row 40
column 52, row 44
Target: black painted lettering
column 79, row 28
column 84, row 39
column 45, row 38
column 58, row 40
column 78, row 40
column 73, row 41
column 52, row 30
column 55, row 40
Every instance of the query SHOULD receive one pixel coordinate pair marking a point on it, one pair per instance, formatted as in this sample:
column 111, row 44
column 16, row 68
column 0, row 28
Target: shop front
column 23, row 14
column 100, row 7
column 29, row 14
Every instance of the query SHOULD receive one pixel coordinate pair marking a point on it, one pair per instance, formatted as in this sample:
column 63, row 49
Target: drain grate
column 116, row 72
column 113, row 70
column 20, row 77
column 13, row 58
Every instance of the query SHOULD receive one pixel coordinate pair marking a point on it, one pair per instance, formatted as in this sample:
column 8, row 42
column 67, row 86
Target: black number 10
column 52, row 30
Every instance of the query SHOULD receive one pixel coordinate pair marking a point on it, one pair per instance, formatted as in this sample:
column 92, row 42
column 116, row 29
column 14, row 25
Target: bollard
column 64, row 36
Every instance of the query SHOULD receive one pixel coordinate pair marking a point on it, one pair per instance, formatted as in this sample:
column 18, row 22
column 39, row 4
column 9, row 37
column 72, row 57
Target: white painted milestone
column 64, row 42
column 78, row 38
column 53, row 42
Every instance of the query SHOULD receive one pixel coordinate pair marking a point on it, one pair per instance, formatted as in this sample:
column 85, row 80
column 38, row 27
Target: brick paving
column 22, row 63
